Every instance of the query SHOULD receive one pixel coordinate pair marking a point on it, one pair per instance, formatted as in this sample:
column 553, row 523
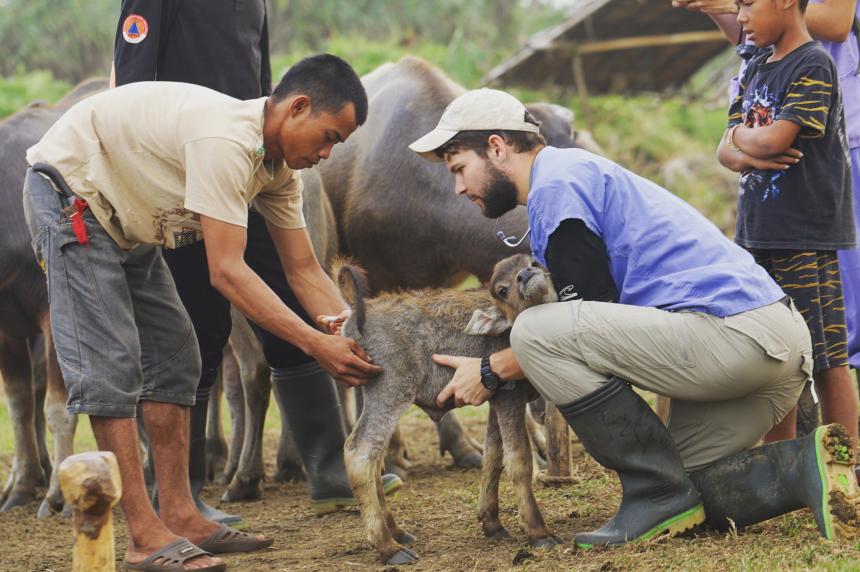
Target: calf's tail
column 352, row 281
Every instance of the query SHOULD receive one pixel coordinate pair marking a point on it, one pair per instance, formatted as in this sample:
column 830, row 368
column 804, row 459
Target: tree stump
column 91, row 484
column 559, row 470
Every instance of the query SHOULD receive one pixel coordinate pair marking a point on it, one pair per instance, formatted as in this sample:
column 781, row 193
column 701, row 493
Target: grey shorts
column 121, row 333
column 730, row 379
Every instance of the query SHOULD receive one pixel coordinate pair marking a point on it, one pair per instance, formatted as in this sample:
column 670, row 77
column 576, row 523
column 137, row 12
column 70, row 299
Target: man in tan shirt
column 152, row 165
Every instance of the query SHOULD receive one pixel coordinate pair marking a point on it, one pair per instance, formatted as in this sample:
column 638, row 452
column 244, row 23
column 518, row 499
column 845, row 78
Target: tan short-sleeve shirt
column 151, row 157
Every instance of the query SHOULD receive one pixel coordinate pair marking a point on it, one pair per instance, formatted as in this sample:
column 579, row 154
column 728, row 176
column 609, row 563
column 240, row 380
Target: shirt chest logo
column 568, row 293
column 134, row 29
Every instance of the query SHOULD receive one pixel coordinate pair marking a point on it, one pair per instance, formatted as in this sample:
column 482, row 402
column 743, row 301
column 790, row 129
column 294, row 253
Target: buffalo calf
column 401, row 331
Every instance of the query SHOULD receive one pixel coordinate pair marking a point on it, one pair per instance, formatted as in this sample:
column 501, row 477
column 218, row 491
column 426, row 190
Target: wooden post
column 559, row 470
column 92, row 485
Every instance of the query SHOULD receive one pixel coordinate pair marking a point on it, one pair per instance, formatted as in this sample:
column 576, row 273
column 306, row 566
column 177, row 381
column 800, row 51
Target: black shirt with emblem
column 577, row 261
column 219, row 44
column 808, row 206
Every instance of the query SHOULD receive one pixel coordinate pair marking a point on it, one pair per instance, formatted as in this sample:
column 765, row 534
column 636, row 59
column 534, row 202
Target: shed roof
column 615, row 46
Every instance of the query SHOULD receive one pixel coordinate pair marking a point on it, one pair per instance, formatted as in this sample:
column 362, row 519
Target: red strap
column 78, row 225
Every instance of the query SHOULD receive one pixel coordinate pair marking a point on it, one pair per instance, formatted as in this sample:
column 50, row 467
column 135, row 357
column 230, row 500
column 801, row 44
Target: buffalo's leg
column 26, row 470
column 453, row 439
column 61, row 423
column 363, row 453
column 39, row 375
column 491, row 472
column 216, row 444
column 247, row 482
column 231, row 383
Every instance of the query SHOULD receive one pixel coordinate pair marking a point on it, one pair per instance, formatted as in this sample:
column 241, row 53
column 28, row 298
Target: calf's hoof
column 548, row 542
column 497, row 534
column 403, row 556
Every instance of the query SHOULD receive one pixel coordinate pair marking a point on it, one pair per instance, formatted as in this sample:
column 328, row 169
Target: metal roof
column 617, row 46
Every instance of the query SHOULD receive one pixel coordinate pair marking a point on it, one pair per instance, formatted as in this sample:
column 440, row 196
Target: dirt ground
column 437, row 505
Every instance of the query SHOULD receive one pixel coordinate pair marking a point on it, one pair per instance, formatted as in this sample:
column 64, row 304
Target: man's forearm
column 505, row 365
column 316, row 292
column 251, row 296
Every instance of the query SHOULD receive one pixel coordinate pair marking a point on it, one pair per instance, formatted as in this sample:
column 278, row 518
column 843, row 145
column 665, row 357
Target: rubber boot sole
column 673, row 526
column 839, row 493
column 334, row 504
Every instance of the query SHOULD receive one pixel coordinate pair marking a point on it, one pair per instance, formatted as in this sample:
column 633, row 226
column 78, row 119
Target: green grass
column 19, row 90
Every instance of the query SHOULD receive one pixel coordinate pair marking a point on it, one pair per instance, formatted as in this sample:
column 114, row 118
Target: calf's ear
column 488, row 322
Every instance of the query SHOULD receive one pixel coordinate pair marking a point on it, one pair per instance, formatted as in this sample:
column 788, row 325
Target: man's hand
column 344, row 359
column 334, row 324
column 465, row 386
column 708, row 6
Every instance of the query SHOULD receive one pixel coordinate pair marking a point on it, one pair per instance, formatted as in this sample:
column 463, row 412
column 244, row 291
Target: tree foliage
column 73, row 39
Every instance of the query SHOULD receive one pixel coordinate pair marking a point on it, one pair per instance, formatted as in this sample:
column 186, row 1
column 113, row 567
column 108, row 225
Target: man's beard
column 499, row 193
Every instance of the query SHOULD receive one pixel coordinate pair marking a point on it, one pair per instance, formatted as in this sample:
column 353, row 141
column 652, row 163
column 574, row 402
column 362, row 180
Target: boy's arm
column 739, row 161
column 766, row 142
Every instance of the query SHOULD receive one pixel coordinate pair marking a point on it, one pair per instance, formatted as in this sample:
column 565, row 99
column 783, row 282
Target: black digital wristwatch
column 489, row 379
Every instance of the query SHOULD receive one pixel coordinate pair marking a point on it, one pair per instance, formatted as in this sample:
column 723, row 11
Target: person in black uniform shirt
column 224, row 45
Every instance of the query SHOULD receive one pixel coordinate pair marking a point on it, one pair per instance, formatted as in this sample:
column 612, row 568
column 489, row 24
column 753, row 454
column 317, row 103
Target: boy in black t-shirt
column 786, row 136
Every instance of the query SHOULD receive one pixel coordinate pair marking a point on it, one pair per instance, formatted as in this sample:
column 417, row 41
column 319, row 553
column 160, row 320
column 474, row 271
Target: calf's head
column 518, row 282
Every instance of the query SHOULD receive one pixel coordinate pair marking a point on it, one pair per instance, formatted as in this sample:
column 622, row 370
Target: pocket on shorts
column 771, row 341
column 58, row 237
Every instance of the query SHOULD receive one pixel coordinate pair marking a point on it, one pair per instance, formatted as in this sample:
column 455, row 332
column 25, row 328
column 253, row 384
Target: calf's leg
column 518, row 462
column 491, row 472
column 363, row 456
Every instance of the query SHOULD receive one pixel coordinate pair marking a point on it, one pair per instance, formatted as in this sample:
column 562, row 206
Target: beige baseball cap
column 478, row 110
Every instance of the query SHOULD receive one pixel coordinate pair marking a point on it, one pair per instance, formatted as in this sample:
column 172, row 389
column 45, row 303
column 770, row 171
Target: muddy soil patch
column 437, row 505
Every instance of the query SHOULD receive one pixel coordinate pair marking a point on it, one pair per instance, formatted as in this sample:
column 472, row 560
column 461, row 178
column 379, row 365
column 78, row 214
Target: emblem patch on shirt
column 568, row 293
column 134, row 29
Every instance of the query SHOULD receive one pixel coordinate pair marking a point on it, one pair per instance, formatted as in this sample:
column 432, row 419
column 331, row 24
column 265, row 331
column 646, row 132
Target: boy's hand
column 780, row 163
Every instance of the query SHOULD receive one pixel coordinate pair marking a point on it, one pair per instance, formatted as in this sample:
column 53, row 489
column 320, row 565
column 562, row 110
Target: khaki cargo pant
column 730, row 379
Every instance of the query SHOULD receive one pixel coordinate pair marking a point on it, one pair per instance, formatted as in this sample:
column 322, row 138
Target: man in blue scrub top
column 653, row 296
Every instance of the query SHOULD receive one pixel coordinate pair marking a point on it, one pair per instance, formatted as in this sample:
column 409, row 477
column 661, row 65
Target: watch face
column 491, row 382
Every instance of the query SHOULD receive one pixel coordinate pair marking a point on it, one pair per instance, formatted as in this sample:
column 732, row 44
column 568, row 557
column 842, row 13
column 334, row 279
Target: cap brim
column 427, row 145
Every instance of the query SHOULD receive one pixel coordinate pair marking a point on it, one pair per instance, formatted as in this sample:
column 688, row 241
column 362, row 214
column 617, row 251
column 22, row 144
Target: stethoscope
column 510, row 241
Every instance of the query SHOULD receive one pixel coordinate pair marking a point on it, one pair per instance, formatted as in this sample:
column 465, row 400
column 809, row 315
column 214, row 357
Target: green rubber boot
column 622, row 433
column 815, row 471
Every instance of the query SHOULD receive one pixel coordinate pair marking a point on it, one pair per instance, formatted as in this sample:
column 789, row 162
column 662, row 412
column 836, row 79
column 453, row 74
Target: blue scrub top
column 662, row 252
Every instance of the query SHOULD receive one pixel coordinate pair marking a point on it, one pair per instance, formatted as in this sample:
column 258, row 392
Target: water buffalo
column 24, row 317
column 397, row 214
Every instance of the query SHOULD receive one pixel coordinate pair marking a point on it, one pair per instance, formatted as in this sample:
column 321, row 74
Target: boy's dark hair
column 803, row 4
column 476, row 141
column 328, row 81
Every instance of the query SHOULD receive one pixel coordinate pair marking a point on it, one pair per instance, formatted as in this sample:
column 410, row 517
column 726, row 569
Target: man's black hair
column 328, row 81
column 803, row 4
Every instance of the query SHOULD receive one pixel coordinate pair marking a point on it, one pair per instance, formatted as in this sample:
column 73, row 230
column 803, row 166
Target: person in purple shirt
column 835, row 24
